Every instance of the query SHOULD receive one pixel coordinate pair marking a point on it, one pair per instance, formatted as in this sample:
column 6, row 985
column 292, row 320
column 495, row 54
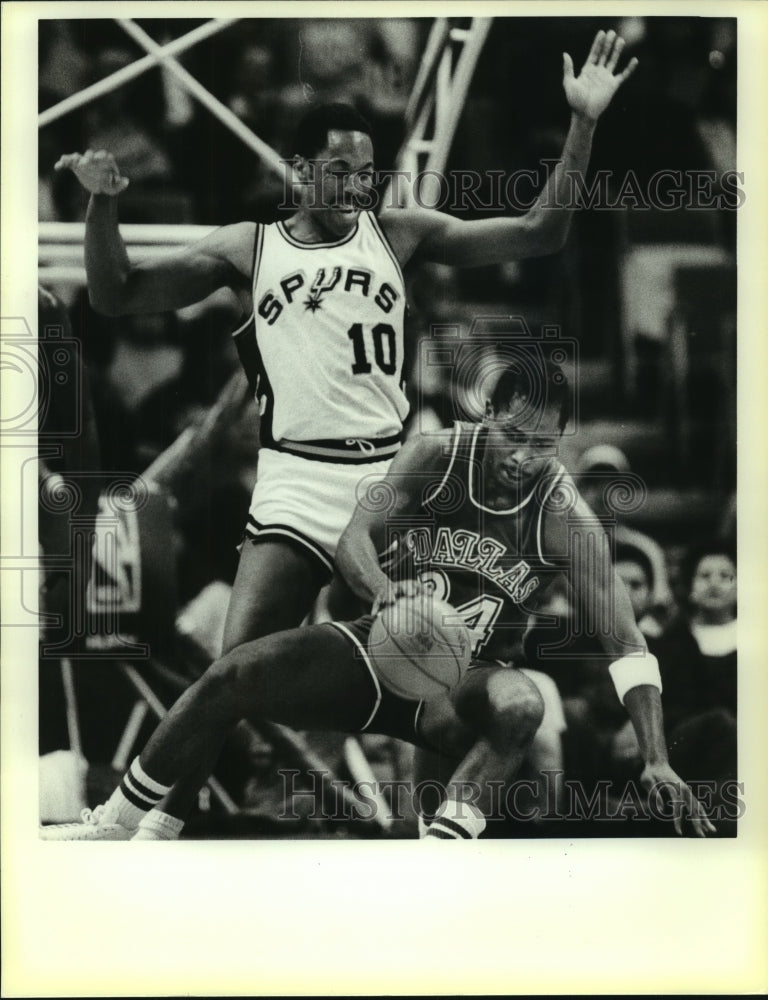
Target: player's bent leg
column 432, row 774
column 494, row 713
column 342, row 602
column 501, row 704
column 275, row 586
column 497, row 703
column 274, row 589
column 305, row 678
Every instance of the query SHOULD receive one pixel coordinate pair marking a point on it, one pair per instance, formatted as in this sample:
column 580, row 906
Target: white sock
column 456, row 820
column 158, row 825
column 136, row 794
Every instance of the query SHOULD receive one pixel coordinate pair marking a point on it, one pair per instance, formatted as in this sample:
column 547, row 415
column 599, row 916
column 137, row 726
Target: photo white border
column 254, row 918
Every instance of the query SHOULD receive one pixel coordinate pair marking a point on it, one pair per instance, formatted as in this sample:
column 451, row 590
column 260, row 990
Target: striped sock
column 158, row 825
column 456, row 821
column 136, row 794
column 423, row 820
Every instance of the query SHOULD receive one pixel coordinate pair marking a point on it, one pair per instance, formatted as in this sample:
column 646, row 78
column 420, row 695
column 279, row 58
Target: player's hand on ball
column 97, row 172
column 419, row 646
column 393, row 591
column 590, row 93
column 671, row 794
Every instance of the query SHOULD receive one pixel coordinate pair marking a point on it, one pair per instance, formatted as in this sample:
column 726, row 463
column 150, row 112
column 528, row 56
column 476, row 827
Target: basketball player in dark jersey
column 487, row 517
column 305, row 489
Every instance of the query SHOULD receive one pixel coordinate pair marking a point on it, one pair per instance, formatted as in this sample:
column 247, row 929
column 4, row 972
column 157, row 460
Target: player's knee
column 508, row 707
column 515, row 703
column 226, row 680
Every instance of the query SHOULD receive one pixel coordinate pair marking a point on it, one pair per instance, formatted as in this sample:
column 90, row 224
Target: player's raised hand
column 98, row 172
column 667, row 788
column 590, row 92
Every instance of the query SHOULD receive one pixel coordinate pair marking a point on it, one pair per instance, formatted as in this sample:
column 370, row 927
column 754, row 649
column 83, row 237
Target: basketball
column 419, row 647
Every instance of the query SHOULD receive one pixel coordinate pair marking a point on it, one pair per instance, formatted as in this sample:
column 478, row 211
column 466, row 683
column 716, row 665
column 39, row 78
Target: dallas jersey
column 324, row 348
column 487, row 563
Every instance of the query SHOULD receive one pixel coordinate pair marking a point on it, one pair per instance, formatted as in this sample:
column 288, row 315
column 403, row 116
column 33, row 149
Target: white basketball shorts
column 306, row 501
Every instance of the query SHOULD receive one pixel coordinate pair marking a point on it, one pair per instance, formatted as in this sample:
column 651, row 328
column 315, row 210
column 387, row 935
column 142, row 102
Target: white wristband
column 631, row 671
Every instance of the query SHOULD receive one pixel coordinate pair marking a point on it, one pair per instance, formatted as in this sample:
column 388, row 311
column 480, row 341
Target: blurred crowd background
column 647, row 295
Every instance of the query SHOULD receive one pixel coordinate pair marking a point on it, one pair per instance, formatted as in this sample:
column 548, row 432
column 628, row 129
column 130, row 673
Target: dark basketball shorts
column 391, row 714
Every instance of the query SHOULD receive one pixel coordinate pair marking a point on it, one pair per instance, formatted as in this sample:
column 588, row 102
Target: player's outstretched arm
column 115, row 286
column 596, row 586
column 415, row 469
column 664, row 786
column 544, row 228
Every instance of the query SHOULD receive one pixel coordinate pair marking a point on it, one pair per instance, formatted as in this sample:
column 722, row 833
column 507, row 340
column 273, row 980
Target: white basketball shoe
column 95, row 824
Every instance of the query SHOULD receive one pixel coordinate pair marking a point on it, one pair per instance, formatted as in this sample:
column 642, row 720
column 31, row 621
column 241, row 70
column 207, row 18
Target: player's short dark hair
column 312, row 131
column 540, row 377
column 629, row 553
column 697, row 552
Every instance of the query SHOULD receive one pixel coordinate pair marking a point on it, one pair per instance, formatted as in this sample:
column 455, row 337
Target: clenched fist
column 97, row 172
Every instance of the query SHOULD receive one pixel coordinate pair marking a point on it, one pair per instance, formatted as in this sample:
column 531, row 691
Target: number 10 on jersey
column 384, row 348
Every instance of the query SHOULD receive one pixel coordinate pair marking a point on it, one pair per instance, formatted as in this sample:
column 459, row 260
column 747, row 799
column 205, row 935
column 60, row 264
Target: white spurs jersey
column 324, row 348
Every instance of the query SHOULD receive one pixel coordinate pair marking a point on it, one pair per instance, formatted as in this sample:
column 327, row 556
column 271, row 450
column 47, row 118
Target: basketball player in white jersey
column 486, row 517
column 322, row 338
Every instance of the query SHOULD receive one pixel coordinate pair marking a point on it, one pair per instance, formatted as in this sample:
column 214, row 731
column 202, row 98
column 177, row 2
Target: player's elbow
column 105, row 305
column 108, row 298
column 350, row 543
column 546, row 234
column 108, row 294
column 342, row 559
column 345, row 547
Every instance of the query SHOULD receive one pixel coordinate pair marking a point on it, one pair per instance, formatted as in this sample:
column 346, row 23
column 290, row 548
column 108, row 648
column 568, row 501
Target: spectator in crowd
column 635, row 569
column 63, row 67
column 68, row 463
column 698, row 649
column 728, row 520
column 119, row 121
column 596, row 469
column 207, row 359
column 697, row 655
column 554, row 645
